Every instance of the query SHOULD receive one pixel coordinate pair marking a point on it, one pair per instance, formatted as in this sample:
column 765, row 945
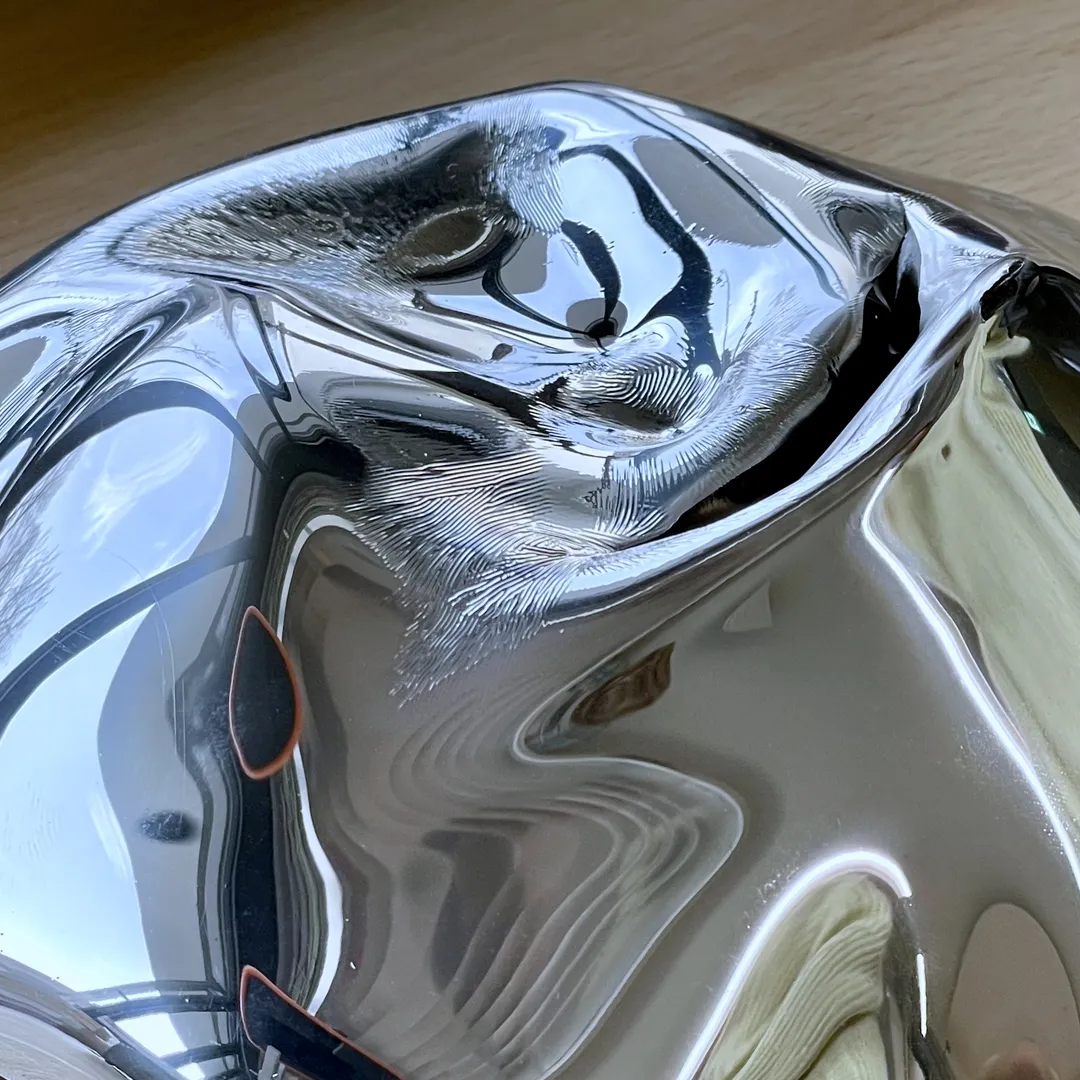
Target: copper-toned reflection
column 272, row 1019
column 264, row 703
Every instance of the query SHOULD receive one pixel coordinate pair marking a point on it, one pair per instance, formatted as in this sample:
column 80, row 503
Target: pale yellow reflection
column 989, row 523
column 810, row 1003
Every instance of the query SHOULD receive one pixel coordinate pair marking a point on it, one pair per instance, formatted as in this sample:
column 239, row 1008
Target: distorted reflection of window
column 66, row 882
column 146, row 460
column 155, row 1032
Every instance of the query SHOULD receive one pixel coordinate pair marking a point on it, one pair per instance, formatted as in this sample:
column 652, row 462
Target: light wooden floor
column 101, row 101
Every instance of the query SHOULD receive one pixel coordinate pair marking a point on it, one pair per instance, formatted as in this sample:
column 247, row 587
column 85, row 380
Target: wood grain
column 101, row 102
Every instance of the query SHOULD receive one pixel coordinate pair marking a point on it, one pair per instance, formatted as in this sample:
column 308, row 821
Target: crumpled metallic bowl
column 562, row 583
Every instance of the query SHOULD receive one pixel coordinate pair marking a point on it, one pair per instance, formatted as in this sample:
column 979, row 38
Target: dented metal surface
column 561, row 583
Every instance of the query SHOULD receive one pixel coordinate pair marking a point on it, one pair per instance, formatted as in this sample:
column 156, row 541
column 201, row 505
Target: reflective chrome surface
column 562, row 583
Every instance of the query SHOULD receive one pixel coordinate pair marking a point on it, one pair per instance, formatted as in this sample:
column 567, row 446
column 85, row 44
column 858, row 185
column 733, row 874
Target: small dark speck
column 946, row 450
column 500, row 351
column 168, row 826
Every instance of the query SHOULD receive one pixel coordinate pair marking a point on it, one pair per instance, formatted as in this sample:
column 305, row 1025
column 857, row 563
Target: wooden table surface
column 101, row 101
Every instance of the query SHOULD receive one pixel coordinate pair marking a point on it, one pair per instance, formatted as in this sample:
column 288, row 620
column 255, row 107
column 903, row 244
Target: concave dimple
column 448, row 242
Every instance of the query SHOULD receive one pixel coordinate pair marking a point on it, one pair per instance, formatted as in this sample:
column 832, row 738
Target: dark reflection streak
column 194, row 1054
column 495, row 289
column 901, row 965
column 90, row 627
column 454, row 437
column 688, row 300
column 270, row 1017
column 203, row 683
column 264, row 699
column 413, row 343
column 891, row 319
column 34, row 322
column 598, row 259
column 27, row 560
column 728, row 175
column 98, row 369
column 493, row 286
column 131, row 1060
column 508, row 401
column 39, row 425
column 269, row 390
column 1054, row 441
